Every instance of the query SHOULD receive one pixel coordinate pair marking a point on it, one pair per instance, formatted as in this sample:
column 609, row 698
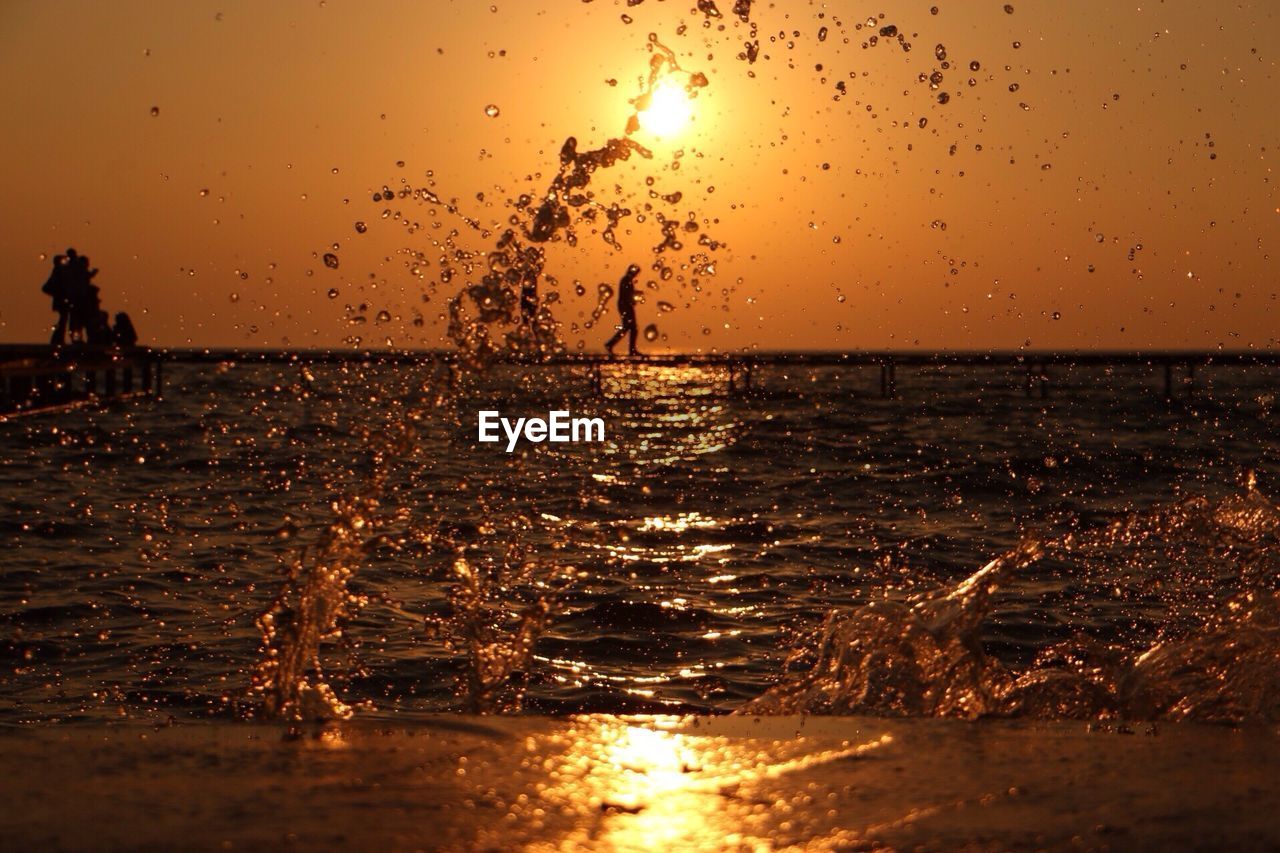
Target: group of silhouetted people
column 80, row 315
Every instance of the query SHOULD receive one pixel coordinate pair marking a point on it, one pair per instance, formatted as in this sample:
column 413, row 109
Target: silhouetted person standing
column 58, row 287
column 82, row 294
column 626, row 312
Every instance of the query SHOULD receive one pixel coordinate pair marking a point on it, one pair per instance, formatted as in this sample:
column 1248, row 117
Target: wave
column 1209, row 659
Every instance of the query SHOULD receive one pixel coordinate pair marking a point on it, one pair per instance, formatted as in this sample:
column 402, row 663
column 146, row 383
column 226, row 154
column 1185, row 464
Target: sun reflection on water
column 646, row 784
column 679, row 523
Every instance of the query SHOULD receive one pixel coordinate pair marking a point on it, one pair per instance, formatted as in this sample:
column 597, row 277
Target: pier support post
column 733, row 385
column 1044, row 381
column 110, row 375
column 147, row 381
column 1029, row 380
column 597, row 381
column 127, row 378
column 893, row 379
column 159, row 377
column 748, row 375
column 1191, row 379
column 1168, row 381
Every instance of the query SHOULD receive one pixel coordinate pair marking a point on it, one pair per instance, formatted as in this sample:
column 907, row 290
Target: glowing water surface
column 678, row 566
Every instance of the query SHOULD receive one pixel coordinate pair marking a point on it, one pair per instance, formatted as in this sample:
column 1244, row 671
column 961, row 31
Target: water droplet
column 155, row 111
column 651, row 332
column 361, row 227
column 333, row 293
column 492, row 111
column 331, row 260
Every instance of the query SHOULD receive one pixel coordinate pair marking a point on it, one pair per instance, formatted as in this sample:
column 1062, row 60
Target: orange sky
column 832, row 210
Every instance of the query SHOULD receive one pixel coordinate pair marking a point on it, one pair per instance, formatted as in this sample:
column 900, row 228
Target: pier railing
column 1038, row 369
column 36, row 379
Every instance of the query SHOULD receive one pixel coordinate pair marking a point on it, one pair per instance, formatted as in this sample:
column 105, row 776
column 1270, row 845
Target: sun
column 669, row 110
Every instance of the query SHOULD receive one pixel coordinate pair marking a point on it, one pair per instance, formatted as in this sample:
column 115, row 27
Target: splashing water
column 508, row 307
column 491, row 626
column 499, row 612
column 1206, row 661
column 310, row 610
column 921, row 656
column 314, row 602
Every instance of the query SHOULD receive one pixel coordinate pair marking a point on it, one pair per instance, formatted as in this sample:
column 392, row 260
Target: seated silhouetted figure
column 124, row 333
column 98, row 331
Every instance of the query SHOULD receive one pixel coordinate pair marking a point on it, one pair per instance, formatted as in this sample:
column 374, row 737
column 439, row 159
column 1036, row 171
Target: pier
column 1173, row 371
column 34, row 378
column 38, row 379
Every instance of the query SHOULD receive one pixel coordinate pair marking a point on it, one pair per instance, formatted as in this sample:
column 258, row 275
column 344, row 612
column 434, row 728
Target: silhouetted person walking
column 626, row 312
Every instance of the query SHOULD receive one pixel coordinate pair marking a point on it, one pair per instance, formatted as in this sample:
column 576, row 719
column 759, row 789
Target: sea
column 318, row 540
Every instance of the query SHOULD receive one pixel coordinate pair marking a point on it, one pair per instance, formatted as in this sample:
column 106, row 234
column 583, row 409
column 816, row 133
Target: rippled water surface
column 683, row 564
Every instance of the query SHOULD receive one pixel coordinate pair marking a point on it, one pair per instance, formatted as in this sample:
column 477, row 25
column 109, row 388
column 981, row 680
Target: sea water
column 325, row 540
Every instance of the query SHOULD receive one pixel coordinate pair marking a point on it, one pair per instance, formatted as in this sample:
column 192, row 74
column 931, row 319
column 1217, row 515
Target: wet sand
column 656, row 783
